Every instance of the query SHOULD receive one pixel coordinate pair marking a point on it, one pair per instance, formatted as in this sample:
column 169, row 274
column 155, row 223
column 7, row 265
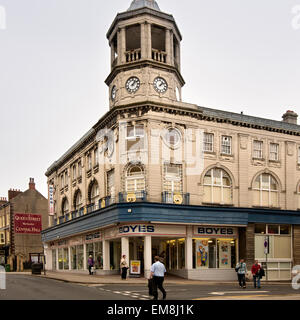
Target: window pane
column 207, row 194
column 265, row 182
column 207, row 178
column 227, row 194
column 260, row 228
column 217, row 177
column 274, row 199
column 273, row 184
column 265, row 199
column 282, row 247
column 217, row 194
column 139, row 130
column 284, row 229
column 130, row 131
column 273, row 229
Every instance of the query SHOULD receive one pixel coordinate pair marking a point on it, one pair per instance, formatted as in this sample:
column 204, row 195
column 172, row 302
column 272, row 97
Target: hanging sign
column 51, row 200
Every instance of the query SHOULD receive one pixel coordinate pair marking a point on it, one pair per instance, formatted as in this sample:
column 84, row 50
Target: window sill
column 226, row 155
column 210, row 152
column 217, row 204
column 258, row 159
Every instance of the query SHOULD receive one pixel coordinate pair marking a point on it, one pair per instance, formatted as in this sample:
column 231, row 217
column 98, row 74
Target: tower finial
column 138, row 4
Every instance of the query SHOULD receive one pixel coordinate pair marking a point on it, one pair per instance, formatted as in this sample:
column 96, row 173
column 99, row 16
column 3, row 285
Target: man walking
column 158, row 271
column 241, row 270
column 257, row 274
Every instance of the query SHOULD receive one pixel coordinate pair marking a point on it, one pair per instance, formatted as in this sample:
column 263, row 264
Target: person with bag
column 157, row 273
column 91, row 264
column 123, row 267
column 258, row 273
column 241, row 269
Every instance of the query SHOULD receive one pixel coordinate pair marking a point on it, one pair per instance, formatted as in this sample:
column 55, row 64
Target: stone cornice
column 142, row 64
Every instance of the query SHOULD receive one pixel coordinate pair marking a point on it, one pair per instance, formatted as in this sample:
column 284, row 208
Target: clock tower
column 145, row 56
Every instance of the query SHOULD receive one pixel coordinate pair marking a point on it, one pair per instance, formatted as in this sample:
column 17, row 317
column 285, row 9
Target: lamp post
column 267, row 251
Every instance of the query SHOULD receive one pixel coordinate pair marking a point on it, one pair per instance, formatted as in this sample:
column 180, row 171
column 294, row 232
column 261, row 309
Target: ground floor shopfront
column 195, row 251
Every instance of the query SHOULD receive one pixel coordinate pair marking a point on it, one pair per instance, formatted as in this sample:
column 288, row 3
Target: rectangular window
column 274, row 148
column 66, row 178
column 226, row 147
column 135, row 138
column 110, row 183
column 257, row 149
column 260, row 228
column 2, row 238
column 284, row 229
column 96, row 158
column 62, row 183
column 74, row 172
column 89, row 162
column 298, row 155
column 208, row 145
column 79, row 169
column 273, row 229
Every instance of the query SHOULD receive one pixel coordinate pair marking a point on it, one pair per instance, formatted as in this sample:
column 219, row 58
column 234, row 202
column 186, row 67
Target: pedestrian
column 257, row 274
column 241, row 269
column 158, row 271
column 91, row 264
column 123, row 267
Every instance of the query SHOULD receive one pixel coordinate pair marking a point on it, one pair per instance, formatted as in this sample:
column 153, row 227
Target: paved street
column 28, row 287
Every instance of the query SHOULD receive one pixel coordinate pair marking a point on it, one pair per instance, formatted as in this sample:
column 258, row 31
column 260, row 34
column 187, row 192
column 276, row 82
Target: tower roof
column 138, row 4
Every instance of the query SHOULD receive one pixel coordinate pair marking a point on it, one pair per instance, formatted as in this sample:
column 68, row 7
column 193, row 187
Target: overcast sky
column 54, row 57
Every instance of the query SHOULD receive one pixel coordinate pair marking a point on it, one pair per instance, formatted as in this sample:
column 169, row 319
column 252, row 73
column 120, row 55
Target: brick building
column 22, row 218
column 155, row 175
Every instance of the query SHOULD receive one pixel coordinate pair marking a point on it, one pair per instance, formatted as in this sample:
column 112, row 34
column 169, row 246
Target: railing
column 123, row 197
column 132, row 196
column 159, row 56
column 133, row 55
column 176, row 198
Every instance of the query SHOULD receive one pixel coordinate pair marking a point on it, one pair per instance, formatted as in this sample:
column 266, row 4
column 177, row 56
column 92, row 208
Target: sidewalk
column 116, row 279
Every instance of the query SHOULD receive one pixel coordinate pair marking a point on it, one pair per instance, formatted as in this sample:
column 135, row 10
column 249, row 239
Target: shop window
column 260, row 228
column 54, row 266
column 95, row 250
column 217, row 187
column 273, row 229
column 77, row 257
column 284, row 229
column 63, row 259
column 265, row 191
column 214, row 253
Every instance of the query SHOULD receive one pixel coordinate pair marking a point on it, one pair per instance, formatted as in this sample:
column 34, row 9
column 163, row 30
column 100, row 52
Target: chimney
column 3, row 201
column 12, row 193
column 31, row 184
column 290, row 117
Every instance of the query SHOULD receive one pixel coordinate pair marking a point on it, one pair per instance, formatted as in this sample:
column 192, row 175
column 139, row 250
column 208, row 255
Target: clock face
column 133, row 84
column 160, row 85
column 113, row 93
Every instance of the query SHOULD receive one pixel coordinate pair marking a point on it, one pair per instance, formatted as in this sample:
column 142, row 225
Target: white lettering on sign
column 215, row 231
column 137, row 229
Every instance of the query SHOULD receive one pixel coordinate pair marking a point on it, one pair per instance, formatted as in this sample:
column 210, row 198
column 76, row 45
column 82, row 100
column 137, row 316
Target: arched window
column 265, row 191
column 135, row 179
column 95, row 191
column 217, row 187
column 65, row 207
column 78, row 200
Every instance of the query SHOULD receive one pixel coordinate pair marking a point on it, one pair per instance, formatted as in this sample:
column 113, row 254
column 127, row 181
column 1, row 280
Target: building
column 22, row 219
column 200, row 187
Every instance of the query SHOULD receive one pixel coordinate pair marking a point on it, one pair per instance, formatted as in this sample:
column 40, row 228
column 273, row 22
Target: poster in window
column 202, row 254
column 225, row 254
column 135, row 267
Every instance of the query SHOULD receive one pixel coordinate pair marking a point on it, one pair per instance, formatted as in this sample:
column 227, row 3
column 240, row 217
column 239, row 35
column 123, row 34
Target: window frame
column 225, row 145
column 258, row 149
column 273, row 152
column 262, row 189
column 208, row 142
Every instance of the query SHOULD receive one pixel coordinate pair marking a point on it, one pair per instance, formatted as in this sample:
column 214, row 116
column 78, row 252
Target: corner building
column 157, row 176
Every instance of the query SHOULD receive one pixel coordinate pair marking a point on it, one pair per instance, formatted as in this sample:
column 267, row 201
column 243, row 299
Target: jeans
column 124, row 273
column 256, row 281
column 158, row 283
column 242, row 279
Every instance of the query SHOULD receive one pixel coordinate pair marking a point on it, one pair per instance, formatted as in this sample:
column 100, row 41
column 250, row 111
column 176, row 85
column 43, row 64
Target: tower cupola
column 145, row 56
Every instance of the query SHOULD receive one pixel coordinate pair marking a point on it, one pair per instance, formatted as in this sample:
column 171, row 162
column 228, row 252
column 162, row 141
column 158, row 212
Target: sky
column 54, row 57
